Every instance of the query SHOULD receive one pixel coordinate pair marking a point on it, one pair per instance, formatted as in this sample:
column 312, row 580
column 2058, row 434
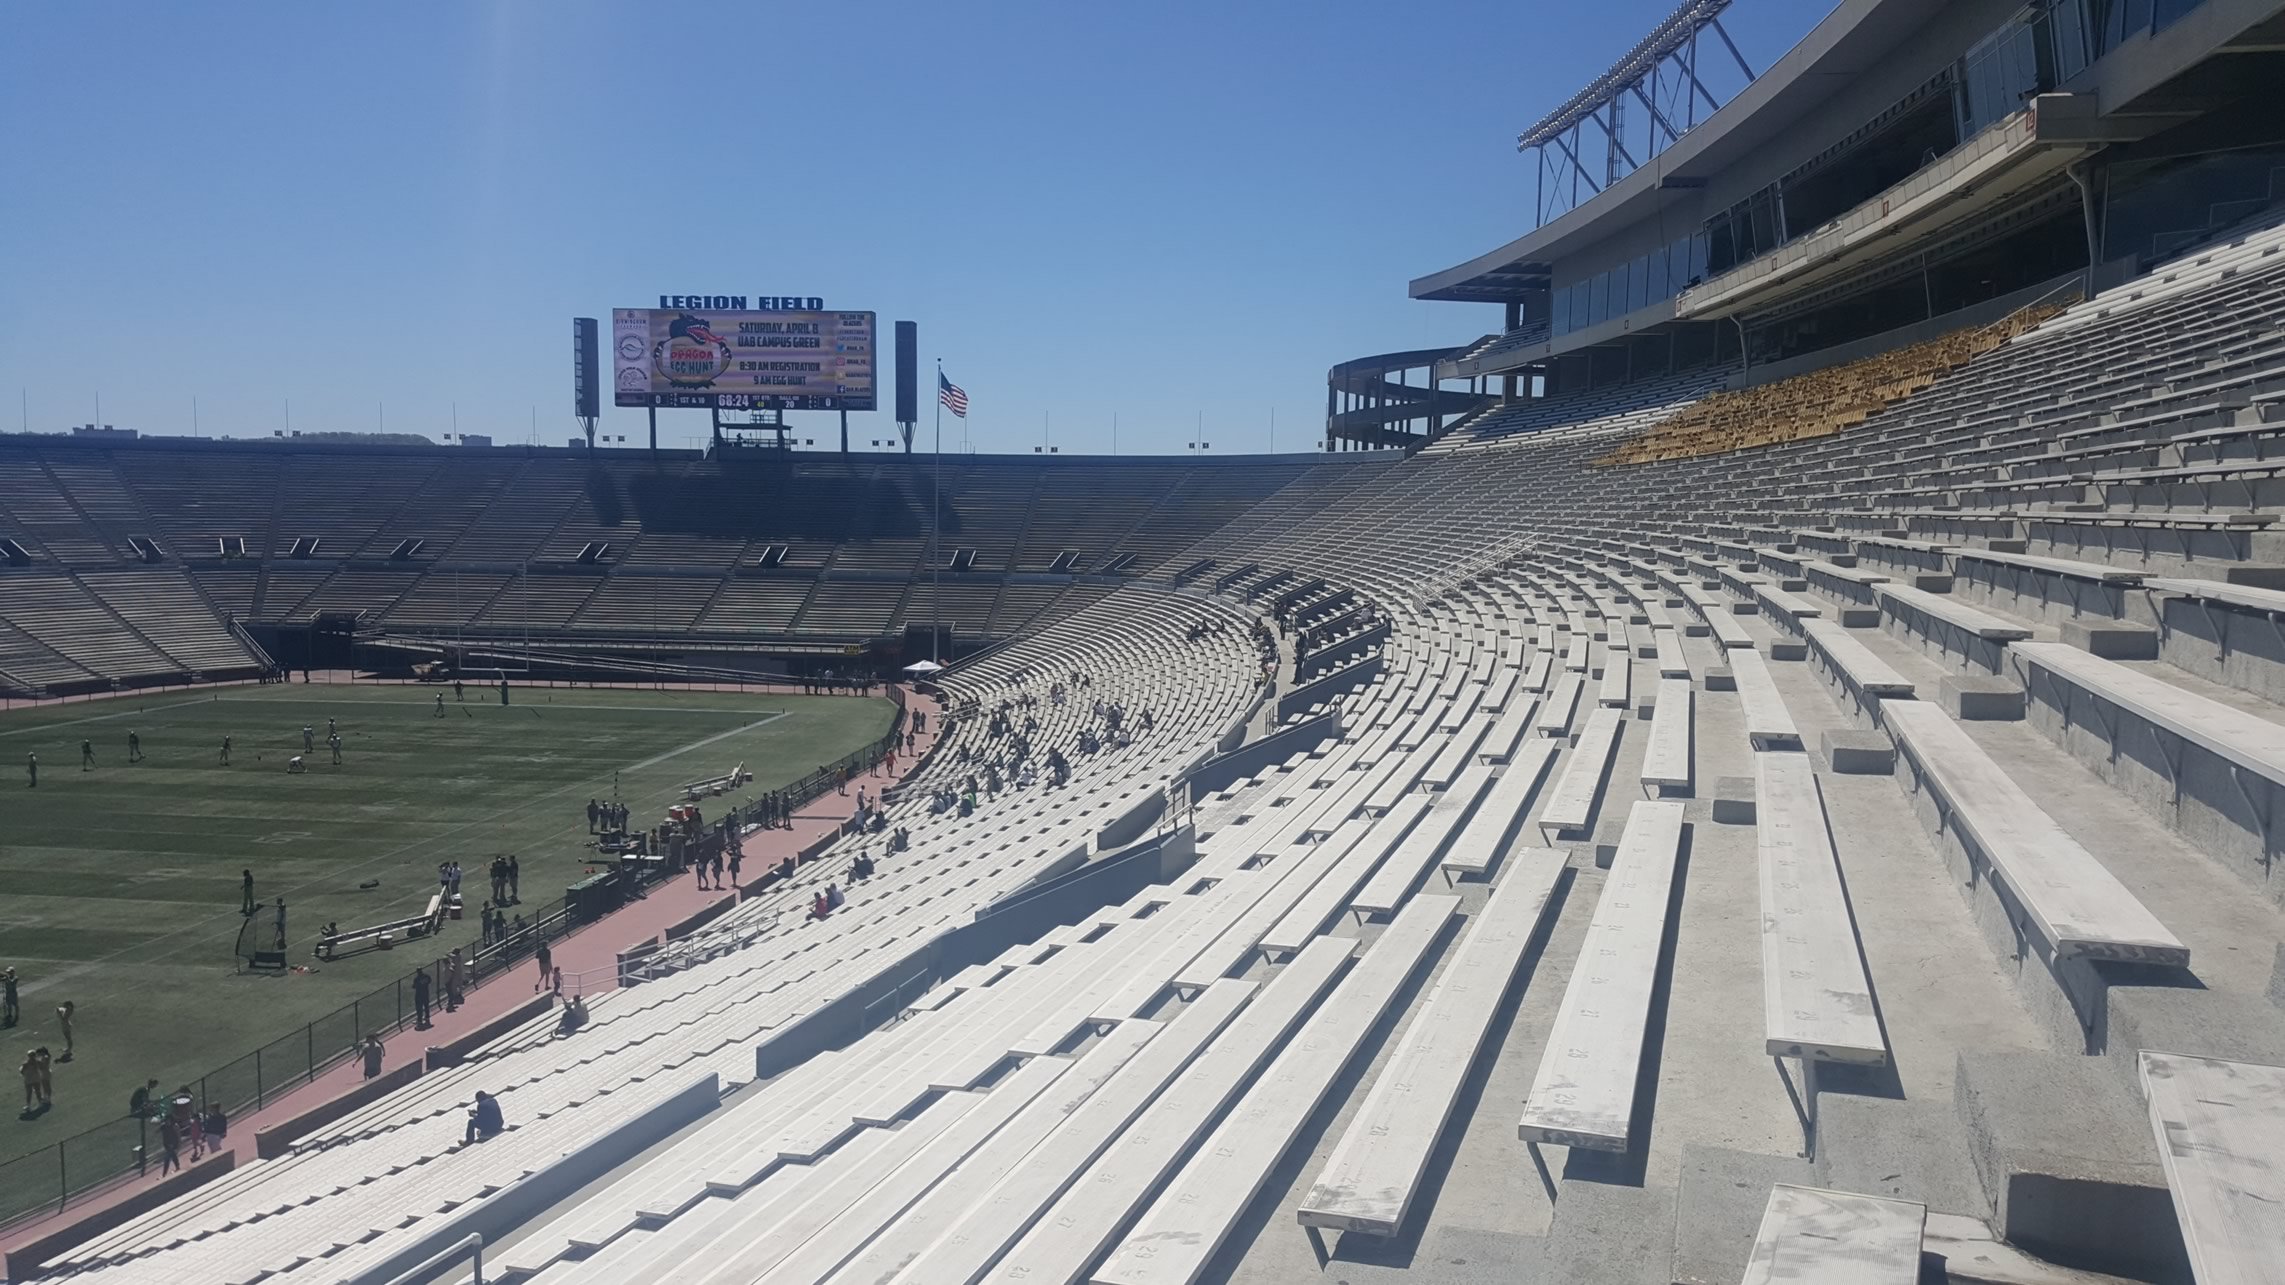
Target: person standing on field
column 32, row 770
column 134, row 747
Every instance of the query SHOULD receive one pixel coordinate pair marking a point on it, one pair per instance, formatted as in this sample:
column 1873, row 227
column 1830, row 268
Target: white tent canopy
column 923, row 667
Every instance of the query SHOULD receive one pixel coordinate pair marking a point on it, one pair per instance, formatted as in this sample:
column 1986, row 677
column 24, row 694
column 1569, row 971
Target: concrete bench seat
column 1177, row 1235
column 2077, row 907
column 1064, row 1205
column 2222, row 470
column 1320, row 904
column 1511, row 730
column 1860, row 671
column 1395, row 776
column 1085, row 1106
column 1768, row 724
column 1583, row 1095
column 1410, row 861
column 1502, row 809
column 1727, row 631
column 1788, row 606
column 1667, row 764
column 2248, row 741
column 1558, row 710
column 1836, row 1238
column 1817, row 1002
column 1575, row 654
column 1958, row 615
column 1671, row 661
column 2216, row 772
column 1456, row 754
column 2065, row 567
column 1366, row 1185
column 1571, row 807
column 1617, row 685
column 1024, row 1105
column 2248, row 597
column 2220, row 1127
column 1294, row 879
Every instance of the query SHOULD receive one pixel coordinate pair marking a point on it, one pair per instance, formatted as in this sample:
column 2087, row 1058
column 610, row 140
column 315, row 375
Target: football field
column 119, row 884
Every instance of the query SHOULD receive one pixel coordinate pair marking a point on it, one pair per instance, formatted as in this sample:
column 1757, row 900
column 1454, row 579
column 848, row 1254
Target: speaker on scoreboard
column 586, row 369
column 908, row 378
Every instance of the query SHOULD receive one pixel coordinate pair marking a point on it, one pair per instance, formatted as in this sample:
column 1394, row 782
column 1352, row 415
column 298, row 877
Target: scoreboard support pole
column 654, row 430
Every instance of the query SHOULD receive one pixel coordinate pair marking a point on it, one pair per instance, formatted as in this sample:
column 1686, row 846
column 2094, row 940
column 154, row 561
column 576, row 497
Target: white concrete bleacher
column 1189, row 1218
column 1584, row 1093
column 1285, row 852
column 1769, row 724
column 2182, row 726
column 1368, row 1182
column 1572, row 806
column 1410, row 861
column 1836, row 1238
column 1500, row 816
column 704, row 1020
column 2075, row 906
column 1669, row 762
column 1063, row 1206
column 2219, row 1127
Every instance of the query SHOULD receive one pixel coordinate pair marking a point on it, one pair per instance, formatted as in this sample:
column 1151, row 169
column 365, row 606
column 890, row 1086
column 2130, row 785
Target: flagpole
column 935, row 529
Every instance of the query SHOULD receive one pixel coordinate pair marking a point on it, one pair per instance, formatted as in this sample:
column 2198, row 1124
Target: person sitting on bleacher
column 484, row 1119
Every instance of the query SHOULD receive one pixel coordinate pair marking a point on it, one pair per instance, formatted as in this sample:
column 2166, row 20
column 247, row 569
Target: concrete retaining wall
column 454, row 1052
column 1218, row 772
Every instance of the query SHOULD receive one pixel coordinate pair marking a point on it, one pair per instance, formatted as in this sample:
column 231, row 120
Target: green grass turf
column 119, row 887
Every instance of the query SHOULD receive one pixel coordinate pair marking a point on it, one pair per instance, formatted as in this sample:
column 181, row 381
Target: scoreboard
column 736, row 359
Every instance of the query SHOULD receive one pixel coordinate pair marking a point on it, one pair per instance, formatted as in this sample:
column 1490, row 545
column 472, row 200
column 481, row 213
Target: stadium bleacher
column 1950, row 676
column 676, row 550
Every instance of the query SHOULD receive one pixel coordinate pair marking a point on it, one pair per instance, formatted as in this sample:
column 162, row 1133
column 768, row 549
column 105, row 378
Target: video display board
column 743, row 360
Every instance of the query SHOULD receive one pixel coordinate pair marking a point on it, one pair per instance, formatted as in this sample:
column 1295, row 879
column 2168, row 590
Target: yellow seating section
column 1821, row 402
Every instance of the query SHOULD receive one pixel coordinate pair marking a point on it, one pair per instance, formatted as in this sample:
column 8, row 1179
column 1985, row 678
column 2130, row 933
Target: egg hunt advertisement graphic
column 718, row 351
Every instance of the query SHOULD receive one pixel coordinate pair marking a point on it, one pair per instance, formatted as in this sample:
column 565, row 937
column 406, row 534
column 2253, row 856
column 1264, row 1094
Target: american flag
column 952, row 396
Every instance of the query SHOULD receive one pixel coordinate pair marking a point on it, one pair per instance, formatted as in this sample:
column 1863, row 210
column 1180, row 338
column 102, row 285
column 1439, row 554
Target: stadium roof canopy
column 1853, row 38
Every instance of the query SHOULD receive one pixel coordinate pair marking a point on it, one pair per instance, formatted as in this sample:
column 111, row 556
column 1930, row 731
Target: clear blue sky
column 1150, row 209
